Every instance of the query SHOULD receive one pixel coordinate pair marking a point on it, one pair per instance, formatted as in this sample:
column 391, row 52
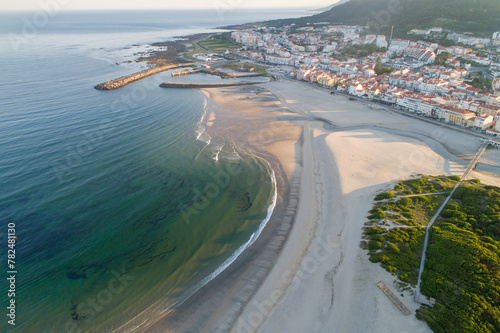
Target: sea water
column 123, row 206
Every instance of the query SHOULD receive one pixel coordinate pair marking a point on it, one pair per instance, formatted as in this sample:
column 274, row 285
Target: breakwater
column 124, row 80
column 205, row 85
column 229, row 75
column 237, row 75
column 186, row 72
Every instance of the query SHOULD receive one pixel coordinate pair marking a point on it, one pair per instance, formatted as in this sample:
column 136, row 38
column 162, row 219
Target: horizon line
column 163, row 9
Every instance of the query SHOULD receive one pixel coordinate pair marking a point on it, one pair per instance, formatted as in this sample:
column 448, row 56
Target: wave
column 236, row 254
column 218, row 150
column 200, row 126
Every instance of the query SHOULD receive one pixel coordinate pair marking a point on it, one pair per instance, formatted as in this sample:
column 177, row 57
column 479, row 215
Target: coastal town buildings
column 414, row 80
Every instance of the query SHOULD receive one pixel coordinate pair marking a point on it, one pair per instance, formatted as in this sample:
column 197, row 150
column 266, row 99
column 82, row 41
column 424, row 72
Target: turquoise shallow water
column 122, row 205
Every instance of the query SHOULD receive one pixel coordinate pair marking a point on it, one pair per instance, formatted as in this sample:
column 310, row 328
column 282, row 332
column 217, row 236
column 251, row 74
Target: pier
column 205, row 85
column 186, row 72
column 124, row 80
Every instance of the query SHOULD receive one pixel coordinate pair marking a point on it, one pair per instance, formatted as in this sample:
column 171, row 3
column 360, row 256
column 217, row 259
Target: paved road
column 422, row 118
column 390, row 108
column 201, row 47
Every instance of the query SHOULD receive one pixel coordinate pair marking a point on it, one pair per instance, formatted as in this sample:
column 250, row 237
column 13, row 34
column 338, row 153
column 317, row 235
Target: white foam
column 200, row 127
column 236, row 254
column 219, row 149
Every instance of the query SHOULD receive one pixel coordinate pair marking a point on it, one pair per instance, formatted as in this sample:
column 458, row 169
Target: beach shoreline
column 306, row 271
column 260, row 255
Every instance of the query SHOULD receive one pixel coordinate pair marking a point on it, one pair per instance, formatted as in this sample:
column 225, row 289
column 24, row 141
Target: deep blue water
column 95, row 181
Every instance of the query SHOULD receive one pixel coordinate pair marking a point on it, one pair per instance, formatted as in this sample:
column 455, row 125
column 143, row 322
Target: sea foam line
column 235, row 255
column 219, row 149
column 200, row 128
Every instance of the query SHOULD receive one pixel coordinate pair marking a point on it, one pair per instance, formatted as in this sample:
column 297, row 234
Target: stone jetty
column 205, row 85
column 124, row 80
column 186, row 72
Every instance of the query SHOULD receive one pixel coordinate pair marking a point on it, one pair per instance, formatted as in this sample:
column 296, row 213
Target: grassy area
column 195, row 49
column 219, row 43
column 246, row 67
column 462, row 270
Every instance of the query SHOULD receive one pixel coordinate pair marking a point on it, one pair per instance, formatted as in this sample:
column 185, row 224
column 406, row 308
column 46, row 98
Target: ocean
column 122, row 205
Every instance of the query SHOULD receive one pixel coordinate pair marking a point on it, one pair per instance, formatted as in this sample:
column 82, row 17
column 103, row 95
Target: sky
column 159, row 4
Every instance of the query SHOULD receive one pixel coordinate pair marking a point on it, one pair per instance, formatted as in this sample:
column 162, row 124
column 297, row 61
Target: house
column 426, row 108
column 483, row 122
column 409, row 102
column 373, row 93
column 491, row 110
column 494, row 132
column 458, row 116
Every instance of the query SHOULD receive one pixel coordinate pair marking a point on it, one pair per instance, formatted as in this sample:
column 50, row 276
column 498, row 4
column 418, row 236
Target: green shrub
column 377, row 238
column 373, row 230
column 385, row 195
column 405, row 201
column 399, row 187
column 392, row 248
column 378, row 215
column 374, row 245
column 408, row 215
column 377, row 257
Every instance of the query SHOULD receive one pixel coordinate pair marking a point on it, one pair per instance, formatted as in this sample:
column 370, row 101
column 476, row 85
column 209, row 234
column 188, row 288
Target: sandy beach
column 331, row 156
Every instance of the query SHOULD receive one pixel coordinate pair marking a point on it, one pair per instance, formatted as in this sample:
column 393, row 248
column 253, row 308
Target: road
column 422, row 118
column 390, row 108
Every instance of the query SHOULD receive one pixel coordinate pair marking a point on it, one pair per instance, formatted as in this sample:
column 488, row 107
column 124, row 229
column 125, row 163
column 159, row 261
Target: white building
column 483, row 122
column 380, row 41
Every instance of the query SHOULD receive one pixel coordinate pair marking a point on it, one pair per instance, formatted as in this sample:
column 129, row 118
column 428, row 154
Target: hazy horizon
column 91, row 5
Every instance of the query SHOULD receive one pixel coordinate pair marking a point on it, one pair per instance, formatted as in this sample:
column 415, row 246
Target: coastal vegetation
column 394, row 234
column 462, row 270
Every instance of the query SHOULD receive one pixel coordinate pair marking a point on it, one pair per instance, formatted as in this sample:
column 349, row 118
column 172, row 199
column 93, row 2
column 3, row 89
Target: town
column 458, row 83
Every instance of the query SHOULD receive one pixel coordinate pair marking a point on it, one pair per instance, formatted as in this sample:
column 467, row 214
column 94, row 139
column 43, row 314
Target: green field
column 219, row 43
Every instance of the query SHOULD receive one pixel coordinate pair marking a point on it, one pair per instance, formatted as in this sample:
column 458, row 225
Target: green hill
column 479, row 16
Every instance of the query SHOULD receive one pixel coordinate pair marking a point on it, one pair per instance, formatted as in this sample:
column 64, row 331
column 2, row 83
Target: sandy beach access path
column 308, row 274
